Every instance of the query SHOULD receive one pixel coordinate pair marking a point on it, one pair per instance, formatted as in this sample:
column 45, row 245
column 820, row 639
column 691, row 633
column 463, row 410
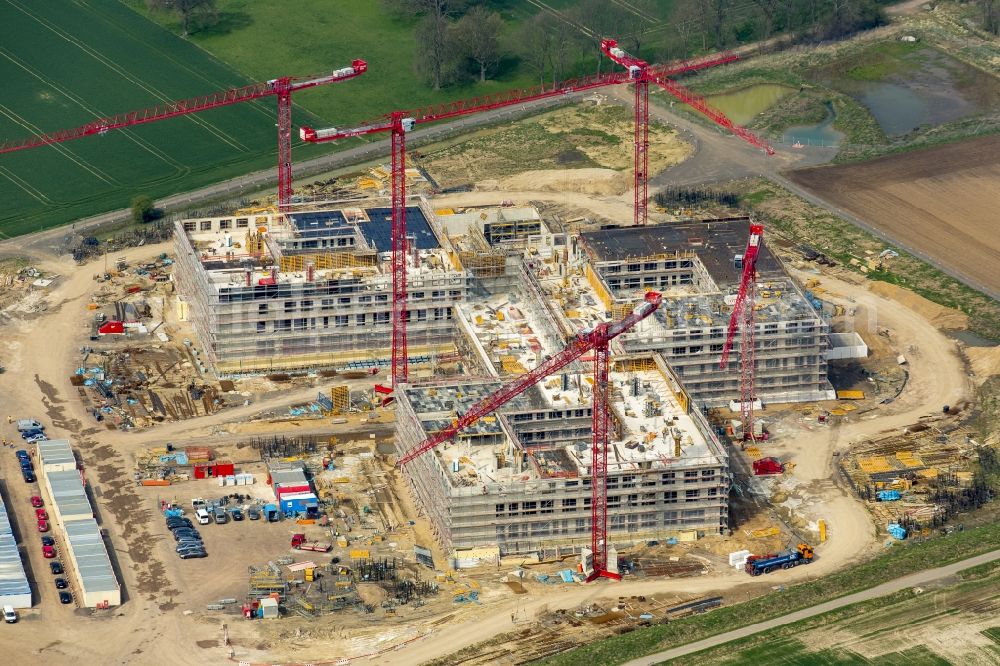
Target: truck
column 765, row 564
column 29, row 424
column 299, row 543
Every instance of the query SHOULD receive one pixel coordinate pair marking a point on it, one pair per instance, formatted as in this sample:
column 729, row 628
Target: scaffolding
column 340, row 396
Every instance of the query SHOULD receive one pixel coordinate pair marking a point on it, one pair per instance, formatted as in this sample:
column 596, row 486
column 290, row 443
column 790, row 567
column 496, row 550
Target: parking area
column 231, row 547
column 25, row 524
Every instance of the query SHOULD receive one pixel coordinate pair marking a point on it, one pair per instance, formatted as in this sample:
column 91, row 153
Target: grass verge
column 904, row 559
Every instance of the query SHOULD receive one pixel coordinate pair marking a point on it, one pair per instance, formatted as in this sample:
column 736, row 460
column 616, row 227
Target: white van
column 204, row 518
column 9, row 615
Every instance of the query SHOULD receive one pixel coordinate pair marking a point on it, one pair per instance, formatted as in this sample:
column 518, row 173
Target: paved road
column 913, row 580
column 52, row 239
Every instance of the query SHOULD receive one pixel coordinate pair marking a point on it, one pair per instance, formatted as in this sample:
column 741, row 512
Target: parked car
column 48, row 541
column 9, row 615
column 26, row 465
column 48, row 552
column 186, row 532
column 55, row 568
column 236, row 513
column 37, row 438
column 174, row 523
column 190, row 554
column 29, row 476
column 221, row 517
column 22, row 455
column 253, row 513
column 43, row 525
column 36, row 501
column 185, row 546
column 41, row 515
column 61, row 583
column 25, row 434
column 65, row 597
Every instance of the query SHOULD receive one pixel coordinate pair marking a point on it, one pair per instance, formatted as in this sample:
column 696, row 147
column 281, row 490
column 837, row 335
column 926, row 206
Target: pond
column 819, row 134
column 743, row 105
column 922, row 88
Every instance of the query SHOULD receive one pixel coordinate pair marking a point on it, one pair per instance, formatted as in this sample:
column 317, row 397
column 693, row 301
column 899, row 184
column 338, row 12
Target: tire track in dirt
column 117, row 494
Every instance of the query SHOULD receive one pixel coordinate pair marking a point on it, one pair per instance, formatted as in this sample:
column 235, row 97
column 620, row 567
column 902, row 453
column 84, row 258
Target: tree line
column 461, row 40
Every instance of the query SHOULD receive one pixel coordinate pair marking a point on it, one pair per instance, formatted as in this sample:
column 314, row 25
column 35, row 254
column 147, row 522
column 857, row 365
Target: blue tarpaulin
column 566, row 575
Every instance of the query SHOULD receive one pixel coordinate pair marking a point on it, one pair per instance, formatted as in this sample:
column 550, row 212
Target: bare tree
column 685, row 21
column 533, row 43
column 634, row 21
column 991, row 15
column 564, row 37
column 200, row 13
column 478, row 34
column 768, row 11
column 713, row 16
column 435, row 57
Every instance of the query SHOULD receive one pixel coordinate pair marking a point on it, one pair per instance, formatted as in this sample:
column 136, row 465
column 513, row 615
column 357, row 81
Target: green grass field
column 66, row 63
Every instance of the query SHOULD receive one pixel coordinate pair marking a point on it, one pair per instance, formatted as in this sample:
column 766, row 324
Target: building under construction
column 505, row 292
column 520, row 479
column 697, row 266
column 308, row 290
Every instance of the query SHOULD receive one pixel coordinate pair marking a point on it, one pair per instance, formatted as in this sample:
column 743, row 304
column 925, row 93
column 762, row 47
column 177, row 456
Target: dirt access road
column 937, row 377
column 939, row 202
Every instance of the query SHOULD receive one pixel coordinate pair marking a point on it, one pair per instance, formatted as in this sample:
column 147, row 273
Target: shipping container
column 214, row 469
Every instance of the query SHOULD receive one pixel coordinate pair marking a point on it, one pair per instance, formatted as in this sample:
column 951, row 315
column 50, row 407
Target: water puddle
column 971, row 339
column 918, row 88
column 743, row 105
column 819, row 134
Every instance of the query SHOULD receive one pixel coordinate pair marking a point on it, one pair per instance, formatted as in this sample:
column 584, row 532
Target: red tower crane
column 282, row 88
column 641, row 74
column 401, row 122
column 743, row 314
column 597, row 341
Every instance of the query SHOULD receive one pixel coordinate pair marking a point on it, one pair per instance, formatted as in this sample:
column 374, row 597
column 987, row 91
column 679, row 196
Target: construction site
column 396, row 411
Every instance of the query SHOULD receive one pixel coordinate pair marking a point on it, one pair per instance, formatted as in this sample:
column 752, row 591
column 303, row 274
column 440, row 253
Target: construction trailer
column 14, row 588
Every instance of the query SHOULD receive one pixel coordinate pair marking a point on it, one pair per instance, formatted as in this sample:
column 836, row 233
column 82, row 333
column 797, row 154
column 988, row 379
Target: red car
column 41, row 515
column 48, row 552
column 36, row 501
column 43, row 526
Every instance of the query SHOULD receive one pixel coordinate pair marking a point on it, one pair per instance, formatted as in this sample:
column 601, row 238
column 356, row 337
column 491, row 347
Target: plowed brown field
column 942, row 202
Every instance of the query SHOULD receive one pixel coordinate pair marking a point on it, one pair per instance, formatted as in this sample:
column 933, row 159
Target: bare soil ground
column 941, row 201
column 596, row 139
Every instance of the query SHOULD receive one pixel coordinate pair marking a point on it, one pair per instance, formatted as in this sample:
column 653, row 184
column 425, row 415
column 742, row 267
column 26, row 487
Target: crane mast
column 596, row 340
column 641, row 75
column 742, row 318
column 400, row 122
column 282, row 88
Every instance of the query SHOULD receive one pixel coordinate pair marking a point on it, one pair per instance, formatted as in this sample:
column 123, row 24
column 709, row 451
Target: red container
column 292, row 489
column 767, row 466
column 215, row 469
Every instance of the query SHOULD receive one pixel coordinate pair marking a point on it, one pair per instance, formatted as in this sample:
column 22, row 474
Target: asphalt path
column 53, row 239
column 913, row 580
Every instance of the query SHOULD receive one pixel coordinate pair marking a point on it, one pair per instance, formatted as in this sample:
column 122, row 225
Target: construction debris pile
column 85, row 248
column 367, row 586
column 920, row 478
column 136, row 387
